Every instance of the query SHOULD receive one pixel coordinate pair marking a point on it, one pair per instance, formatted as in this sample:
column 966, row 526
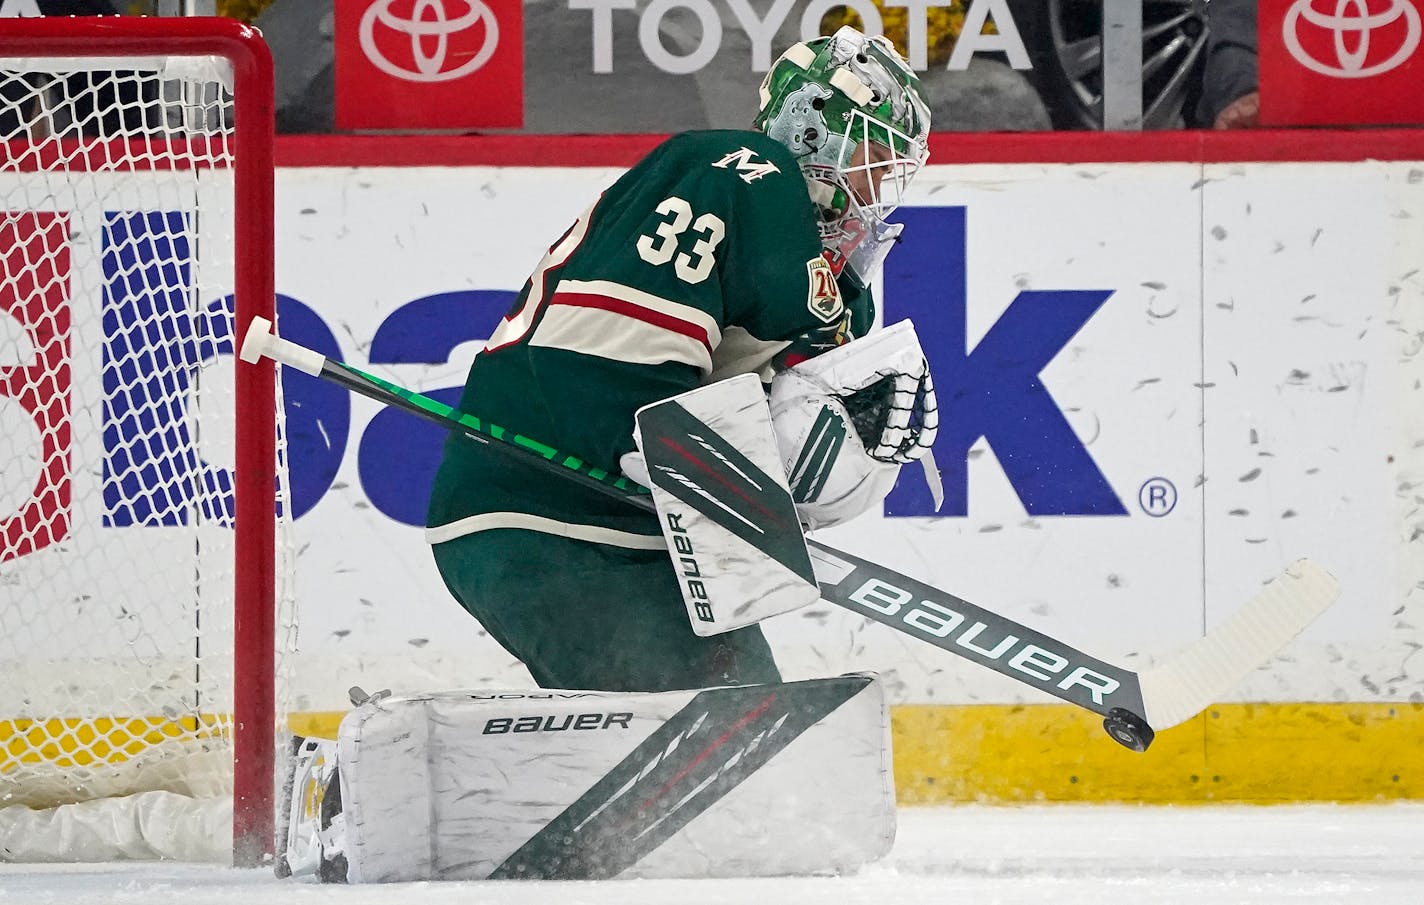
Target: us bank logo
column 428, row 40
column 993, row 391
column 1351, row 39
column 152, row 473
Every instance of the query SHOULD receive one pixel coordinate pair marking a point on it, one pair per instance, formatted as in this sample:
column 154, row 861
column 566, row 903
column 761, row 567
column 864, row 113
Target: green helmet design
column 852, row 112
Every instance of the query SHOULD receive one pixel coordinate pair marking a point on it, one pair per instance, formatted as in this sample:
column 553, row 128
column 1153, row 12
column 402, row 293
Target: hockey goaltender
column 724, row 281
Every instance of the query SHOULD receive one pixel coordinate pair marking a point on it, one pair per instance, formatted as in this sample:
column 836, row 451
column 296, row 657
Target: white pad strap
column 851, row 86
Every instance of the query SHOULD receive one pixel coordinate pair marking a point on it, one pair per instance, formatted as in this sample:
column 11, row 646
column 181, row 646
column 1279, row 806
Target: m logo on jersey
column 748, row 167
column 824, row 298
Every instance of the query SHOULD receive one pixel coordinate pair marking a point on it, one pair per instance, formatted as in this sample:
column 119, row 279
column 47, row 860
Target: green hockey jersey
column 702, row 262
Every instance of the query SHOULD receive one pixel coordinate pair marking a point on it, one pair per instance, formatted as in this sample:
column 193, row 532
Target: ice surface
column 964, row 855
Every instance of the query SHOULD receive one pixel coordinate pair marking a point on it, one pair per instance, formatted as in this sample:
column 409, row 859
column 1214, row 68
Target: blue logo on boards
column 994, row 390
column 153, row 473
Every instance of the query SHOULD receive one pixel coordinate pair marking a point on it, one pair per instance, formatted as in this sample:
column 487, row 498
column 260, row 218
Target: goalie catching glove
column 847, row 420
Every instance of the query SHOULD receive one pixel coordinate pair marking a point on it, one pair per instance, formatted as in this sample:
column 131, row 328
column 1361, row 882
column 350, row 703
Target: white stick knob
column 261, row 341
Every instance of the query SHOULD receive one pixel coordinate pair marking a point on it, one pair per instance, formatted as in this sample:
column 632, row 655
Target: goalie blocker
column 756, row 780
column 734, row 475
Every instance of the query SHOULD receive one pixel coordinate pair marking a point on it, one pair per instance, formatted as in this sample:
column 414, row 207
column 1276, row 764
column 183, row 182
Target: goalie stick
column 1134, row 705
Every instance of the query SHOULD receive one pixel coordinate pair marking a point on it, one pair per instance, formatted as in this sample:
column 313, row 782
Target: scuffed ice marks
column 1160, row 303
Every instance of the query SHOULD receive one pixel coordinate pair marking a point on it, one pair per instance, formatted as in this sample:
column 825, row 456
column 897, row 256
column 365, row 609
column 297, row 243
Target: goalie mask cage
column 142, row 554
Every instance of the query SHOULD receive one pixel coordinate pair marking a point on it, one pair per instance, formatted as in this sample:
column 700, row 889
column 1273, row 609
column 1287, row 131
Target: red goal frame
column 255, row 535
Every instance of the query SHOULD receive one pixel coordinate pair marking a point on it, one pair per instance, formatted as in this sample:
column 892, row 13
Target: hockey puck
column 1128, row 729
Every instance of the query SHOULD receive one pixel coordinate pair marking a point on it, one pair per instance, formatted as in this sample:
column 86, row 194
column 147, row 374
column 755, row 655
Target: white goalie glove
column 847, row 420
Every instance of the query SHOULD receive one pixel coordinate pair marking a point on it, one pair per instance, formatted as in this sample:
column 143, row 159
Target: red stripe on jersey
column 638, row 312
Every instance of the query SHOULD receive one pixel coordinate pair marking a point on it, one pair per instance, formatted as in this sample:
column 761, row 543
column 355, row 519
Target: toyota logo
column 428, row 20
column 1351, row 28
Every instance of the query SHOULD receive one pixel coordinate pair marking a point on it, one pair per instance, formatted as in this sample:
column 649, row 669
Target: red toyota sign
column 1341, row 62
column 429, row 64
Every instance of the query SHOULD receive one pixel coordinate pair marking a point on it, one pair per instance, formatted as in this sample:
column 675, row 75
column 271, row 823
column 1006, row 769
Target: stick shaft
column 261, row 342
column 492, row 435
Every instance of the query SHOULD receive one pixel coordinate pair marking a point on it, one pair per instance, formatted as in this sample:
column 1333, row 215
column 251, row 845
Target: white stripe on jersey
column 618, row 322
column 597, row 534
column 512, row 329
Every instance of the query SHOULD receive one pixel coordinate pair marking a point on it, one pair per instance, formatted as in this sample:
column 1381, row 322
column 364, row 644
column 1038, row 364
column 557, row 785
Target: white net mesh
column 116, row 429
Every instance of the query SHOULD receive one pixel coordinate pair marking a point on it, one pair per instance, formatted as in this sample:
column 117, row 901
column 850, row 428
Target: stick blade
column 1182, row 687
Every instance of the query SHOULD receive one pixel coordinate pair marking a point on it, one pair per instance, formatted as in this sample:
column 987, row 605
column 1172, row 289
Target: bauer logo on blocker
column 1351, row 39
column 422, row 41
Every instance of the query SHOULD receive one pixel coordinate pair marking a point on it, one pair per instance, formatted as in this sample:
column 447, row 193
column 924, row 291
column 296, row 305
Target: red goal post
column 37, row 152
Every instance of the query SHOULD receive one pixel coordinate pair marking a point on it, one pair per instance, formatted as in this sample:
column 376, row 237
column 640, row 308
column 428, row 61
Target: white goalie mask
column 851, row 111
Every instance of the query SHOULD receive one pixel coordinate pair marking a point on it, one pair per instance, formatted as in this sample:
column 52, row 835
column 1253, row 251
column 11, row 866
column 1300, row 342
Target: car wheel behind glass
column 1064, row 40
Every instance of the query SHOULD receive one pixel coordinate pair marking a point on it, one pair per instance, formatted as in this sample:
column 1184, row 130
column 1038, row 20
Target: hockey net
column 142, row 550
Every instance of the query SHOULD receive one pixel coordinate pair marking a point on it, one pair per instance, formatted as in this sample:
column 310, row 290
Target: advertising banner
column 1146, row 413
column 1341, row 63
column 429, row 64
column 644, row 65
column 661, row 66
column 1159, row 384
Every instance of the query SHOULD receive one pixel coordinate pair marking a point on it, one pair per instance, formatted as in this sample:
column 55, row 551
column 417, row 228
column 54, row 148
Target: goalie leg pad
column 753, row 780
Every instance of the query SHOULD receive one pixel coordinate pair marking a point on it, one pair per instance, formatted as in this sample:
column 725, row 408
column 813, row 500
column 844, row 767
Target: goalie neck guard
column 852, row 113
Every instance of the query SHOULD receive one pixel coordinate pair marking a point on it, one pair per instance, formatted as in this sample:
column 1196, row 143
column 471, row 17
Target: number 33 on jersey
column 691, row 268
column 712, row 232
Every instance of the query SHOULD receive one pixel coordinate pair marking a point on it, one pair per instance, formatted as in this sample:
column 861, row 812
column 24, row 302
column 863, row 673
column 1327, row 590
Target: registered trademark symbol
column 1157, row 497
